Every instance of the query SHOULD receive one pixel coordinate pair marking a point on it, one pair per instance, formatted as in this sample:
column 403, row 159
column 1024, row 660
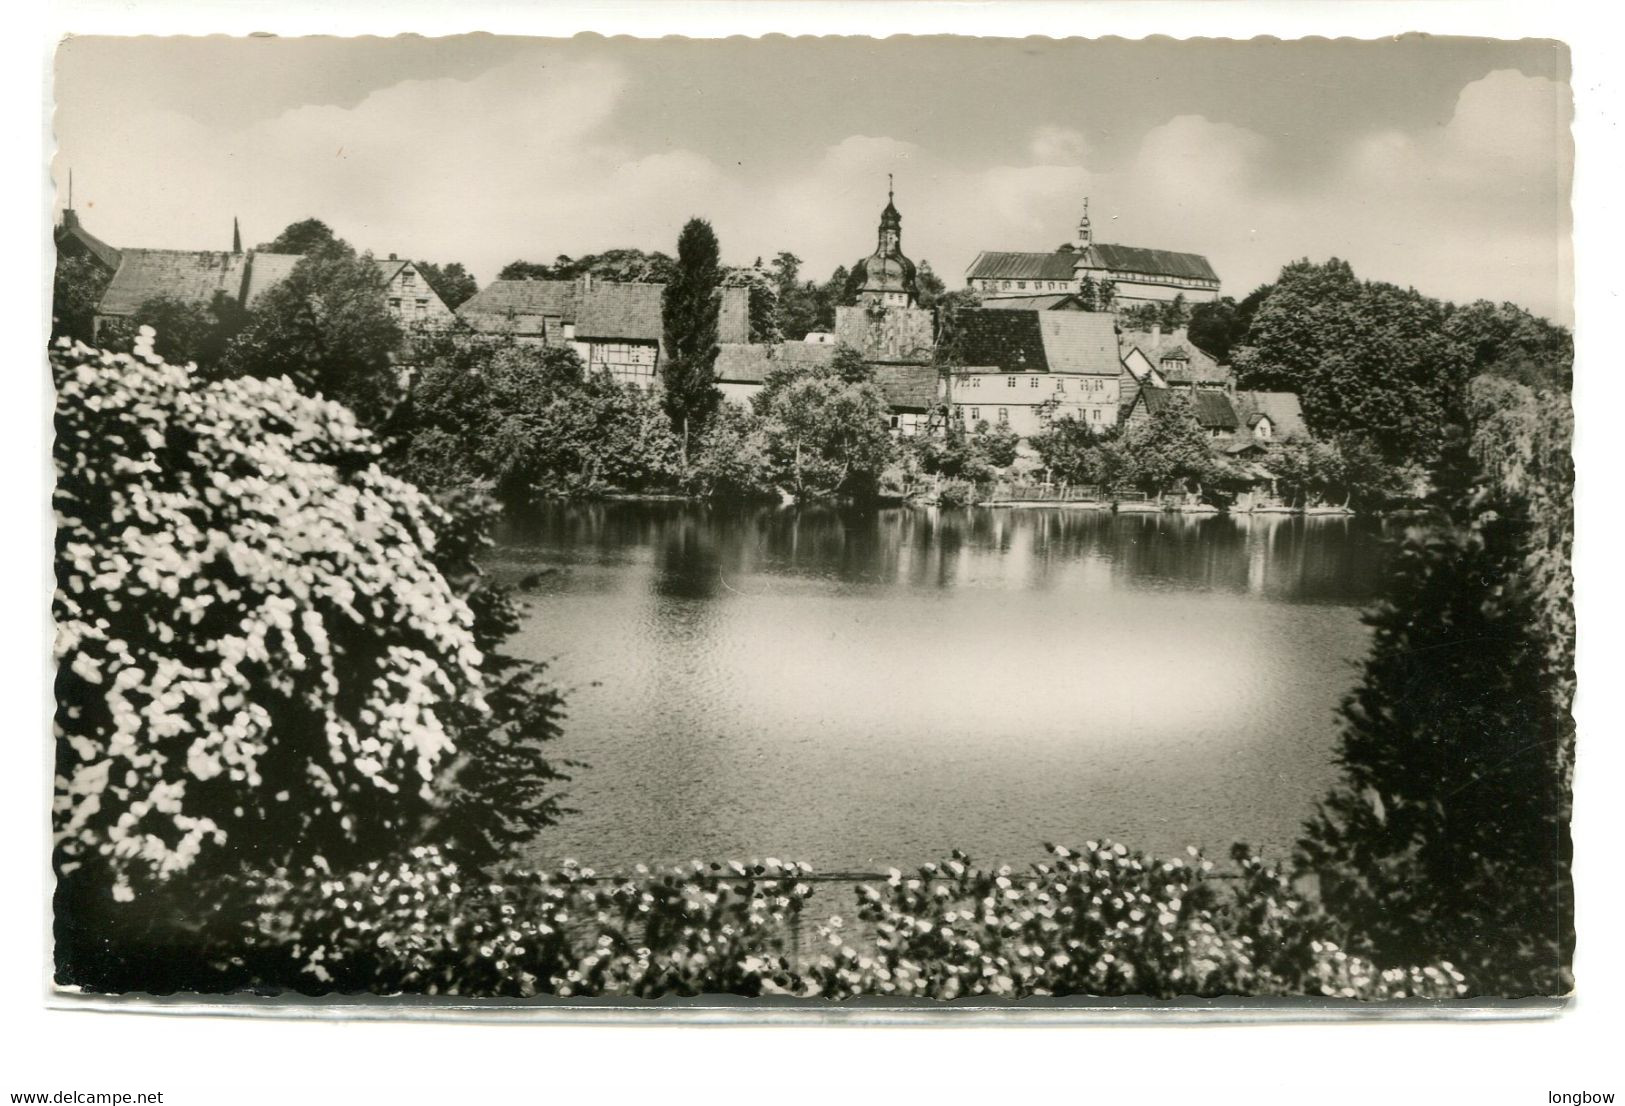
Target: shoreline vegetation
column 293, row 756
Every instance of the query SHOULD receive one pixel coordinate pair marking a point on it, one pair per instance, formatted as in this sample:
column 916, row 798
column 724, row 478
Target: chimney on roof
column 392, row 257
column 70, row 218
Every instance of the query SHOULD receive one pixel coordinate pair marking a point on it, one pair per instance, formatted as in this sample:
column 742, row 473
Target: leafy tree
column 622, row 266
column 1365, row 358
column 451, row 282
column 1505, row 340
column 325, row 327
column 689, row 314
column 1168, row 449
column 76, row 292
column 1348, row 469
column 998, row 444
column 825, row 433
column 1071, row 451
column 185, row 332
column 526, row 420
column 929, row 288
column 1449, row 833
column 1219, row 326
column 307, row 237
column 731, row 456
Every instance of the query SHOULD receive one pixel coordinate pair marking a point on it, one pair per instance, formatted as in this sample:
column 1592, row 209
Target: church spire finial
column 236, row 236
column 1085, row 234
column 889, row 187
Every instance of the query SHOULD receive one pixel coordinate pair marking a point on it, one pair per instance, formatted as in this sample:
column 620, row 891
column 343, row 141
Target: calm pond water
column 863, row 688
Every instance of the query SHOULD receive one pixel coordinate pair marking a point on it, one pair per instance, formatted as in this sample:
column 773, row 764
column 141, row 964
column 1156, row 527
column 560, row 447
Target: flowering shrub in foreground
column 255, row 648
column 1097, row 921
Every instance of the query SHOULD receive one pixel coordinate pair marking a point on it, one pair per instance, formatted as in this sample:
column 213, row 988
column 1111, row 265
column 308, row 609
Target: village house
column 1140, row 275
column 614, row 327
column 409, row 298
column 243, row 276
column 1023, row 368
column 742, row 368
column 1238, row 422
column 1177, row 361
column 73, row 241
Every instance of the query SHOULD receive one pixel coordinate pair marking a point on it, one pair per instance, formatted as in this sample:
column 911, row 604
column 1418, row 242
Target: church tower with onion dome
column 887, row 326
column 886, row 278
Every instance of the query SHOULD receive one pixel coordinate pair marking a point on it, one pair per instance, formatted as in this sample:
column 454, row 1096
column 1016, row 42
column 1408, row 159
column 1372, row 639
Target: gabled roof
column 1039, row 341
column 1176, row 346
column 908, row 387
column 389, row 267
column 1213, row 410
column 1049, row 301
column 1282, row 408
column 1003, row 265
column 1135, row 259
column 1062, row 265
column 1142, row 368
column 71, row 235
column 266, row 271
column 629, row 312
column 191, row 276
column 520, row 306
column 740, row 363
column 601, row 310
column 1080, row 342
column 1009, row 341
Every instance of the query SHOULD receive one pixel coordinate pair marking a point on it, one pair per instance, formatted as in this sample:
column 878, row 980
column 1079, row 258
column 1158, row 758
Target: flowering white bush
column 1101, row 920
column 254, row 647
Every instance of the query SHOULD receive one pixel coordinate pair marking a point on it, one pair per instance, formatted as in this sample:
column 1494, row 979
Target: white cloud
column 1052, row 145
column 519, row 163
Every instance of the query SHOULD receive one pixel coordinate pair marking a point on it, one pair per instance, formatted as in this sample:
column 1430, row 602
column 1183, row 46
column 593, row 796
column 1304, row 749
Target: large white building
column 1139, row 275
column 1023, row 368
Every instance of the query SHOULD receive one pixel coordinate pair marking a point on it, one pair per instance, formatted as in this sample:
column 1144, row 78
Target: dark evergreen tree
column 689, row 314
column 1448, row 837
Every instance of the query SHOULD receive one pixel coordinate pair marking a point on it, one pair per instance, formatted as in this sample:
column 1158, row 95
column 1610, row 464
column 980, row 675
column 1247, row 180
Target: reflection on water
column 856, row 688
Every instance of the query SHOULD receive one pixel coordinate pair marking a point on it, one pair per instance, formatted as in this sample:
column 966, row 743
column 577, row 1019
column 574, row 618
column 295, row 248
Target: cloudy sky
column 1442, row 163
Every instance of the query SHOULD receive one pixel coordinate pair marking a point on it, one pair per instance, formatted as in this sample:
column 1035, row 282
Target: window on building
column 1004, row 416
column 1007, row 284
column 1060, row 385
column 1094, row 414
column 896, row 422
column 975, row 414
column 1033, row 383
column 394, row 303
column 423, row 307
column 1009, row 382
column 1021, row 284
column 408, row 278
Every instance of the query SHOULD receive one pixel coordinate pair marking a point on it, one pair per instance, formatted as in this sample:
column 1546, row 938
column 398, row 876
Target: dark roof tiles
column 1039, row 341
column 1136, row 259
column 1007, row 265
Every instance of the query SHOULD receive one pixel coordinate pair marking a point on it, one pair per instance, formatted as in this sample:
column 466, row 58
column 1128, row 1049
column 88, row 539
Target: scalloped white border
column 238, row 1060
